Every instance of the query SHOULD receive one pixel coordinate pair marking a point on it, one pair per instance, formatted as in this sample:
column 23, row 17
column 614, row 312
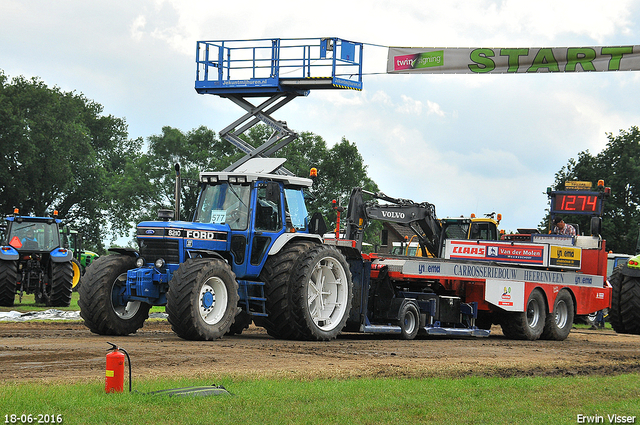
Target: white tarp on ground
column 53, row 314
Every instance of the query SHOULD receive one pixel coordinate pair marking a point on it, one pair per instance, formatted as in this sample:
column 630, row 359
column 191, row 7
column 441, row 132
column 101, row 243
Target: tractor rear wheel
column 624, row 314
column 276, row 274
column 321, row 292
column 560, row 321
column 61, row 285
column 202, row 301
column 100, row 298
column 8, row 282
column 528, row 324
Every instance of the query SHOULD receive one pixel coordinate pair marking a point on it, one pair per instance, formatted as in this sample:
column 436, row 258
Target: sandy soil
column 67, row 350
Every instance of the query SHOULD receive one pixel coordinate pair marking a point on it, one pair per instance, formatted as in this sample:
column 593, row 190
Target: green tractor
column 625, row 298
column 81, row 258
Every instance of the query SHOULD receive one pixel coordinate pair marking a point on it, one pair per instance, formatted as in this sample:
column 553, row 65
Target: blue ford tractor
column 250, row 253
column 33, row 261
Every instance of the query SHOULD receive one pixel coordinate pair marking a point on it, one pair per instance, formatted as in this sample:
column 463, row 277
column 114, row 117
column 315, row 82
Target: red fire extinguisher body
column 114, row 381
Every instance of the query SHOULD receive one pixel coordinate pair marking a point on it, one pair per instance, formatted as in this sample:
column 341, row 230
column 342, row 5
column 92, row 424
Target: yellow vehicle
column 471, row 228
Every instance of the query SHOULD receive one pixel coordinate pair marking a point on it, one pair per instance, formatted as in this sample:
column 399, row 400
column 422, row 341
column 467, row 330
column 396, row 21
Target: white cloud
column 137, row 27
column 466, row 143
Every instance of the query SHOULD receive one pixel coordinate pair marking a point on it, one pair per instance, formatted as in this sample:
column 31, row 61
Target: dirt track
column 67, row 350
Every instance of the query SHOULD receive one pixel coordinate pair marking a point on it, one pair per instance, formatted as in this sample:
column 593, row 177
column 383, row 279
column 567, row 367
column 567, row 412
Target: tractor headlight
column 159, row 263
column 140, row 262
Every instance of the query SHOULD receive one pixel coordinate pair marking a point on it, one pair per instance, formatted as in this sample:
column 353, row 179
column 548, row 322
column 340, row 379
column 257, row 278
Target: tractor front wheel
column 202, row 301
column 100, row 301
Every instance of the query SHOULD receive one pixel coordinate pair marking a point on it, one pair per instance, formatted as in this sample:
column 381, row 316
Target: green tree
column 197, row 150
column 619, row 166
column 59, row 152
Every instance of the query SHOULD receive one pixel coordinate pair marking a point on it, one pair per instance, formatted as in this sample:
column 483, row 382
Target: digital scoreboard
column 576, row 202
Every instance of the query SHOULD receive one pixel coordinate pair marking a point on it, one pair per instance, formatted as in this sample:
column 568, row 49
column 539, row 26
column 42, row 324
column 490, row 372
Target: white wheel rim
column 533, row 313
column 409, row 322
column 562, row 314
column 128, row 310
column 327, row 292
column 213, row 300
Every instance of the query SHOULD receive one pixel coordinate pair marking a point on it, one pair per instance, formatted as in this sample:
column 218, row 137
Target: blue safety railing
column 260, row 67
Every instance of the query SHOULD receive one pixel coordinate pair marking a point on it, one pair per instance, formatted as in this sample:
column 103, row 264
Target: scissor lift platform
column 260, row 67
column 279, row 69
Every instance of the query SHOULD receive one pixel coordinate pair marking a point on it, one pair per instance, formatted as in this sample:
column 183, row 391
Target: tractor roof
column 253, row 170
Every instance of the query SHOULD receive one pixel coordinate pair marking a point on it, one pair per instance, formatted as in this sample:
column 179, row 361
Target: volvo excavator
column 430, row 231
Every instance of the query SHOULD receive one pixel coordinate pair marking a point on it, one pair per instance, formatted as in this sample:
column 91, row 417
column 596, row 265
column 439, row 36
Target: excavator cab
column 469, row 228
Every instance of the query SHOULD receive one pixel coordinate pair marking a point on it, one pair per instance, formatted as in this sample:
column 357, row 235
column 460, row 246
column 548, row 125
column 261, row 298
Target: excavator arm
column 421, row 218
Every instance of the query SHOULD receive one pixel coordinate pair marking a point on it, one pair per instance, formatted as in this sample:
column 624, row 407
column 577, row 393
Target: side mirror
column 596, row 226
column 273, row 192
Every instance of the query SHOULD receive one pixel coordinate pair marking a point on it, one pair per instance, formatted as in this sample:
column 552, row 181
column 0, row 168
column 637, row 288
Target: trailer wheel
column 528, row 324
column 624, row 314
column 276, row 274
column 202, row 300
column 102, row 285
column 61, row 285
column 321, row 293
column 409, row 321
column 560, row 321
column 8, row 282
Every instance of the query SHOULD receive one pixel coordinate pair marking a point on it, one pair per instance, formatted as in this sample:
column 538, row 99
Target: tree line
column 618, row 164
column 58, row 151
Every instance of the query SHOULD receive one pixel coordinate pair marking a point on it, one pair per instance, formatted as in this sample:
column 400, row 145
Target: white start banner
column 408, row 60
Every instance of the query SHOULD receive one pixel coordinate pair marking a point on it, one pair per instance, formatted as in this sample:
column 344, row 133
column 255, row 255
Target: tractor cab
column 33, row 234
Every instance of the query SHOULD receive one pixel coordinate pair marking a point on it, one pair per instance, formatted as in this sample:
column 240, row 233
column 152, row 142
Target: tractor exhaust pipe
column 177, row 192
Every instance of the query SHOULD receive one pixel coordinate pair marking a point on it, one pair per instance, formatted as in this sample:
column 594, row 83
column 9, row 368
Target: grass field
column 356, row 401
column 472, row 400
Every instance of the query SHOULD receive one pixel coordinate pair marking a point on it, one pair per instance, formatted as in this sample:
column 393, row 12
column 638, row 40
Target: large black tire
column 276, row 274
column 484, row 320
column 321, row 292
column 241, row 322
column 99, row 306
column 624, row 314
column 587, row 319
column 409, row 321
column 8, row 282
column 61, row 285
column 202, row 301
column 615, row 315
column 528, row 324
column 560, row 321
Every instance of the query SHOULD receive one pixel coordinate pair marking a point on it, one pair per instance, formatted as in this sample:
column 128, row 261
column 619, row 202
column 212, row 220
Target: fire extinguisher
column 114, row 378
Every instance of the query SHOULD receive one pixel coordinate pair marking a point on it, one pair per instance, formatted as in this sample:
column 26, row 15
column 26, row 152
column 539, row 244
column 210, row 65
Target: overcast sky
column 466, row 143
